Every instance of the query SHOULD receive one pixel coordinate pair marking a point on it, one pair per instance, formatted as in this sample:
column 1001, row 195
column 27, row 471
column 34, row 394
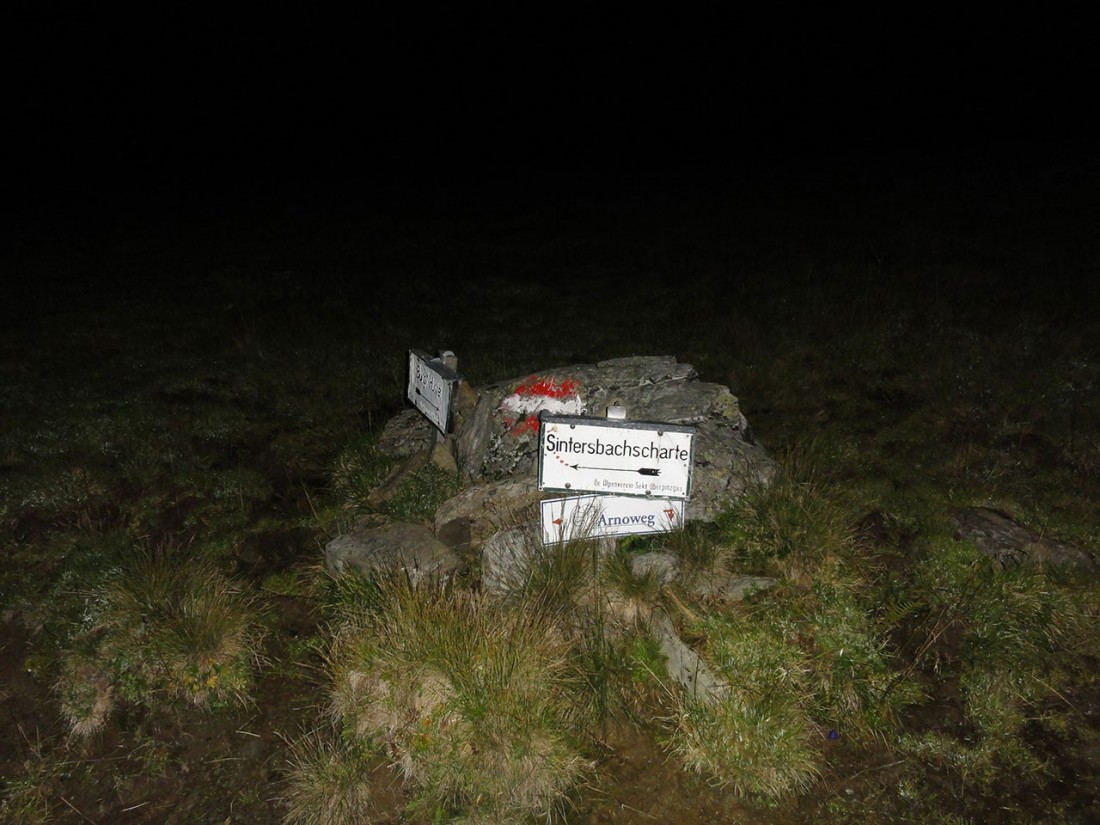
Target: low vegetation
column 167, row 628
column 173, row 648
column 468, row 701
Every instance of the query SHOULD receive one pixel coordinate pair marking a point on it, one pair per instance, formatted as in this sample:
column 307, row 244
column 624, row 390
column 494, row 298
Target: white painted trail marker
column 566, row 519
column 598, row 455
column 431, row 388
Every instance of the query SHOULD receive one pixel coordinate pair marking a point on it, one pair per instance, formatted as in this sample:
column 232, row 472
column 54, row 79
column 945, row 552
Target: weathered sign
column 567, row 519
column 431, row 388
column 635, row 458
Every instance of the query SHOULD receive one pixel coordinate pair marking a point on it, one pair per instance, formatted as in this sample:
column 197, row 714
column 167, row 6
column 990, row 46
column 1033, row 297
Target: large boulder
column 499, row 439
column 496, row 439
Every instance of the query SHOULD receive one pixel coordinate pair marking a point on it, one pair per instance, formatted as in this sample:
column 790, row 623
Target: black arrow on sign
column 645, row 471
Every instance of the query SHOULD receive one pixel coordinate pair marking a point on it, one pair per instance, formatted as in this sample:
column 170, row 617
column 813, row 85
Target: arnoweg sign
column 566, row 519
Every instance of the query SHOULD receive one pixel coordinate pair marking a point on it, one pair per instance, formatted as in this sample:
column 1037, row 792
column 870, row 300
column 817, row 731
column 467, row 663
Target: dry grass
column 327, row 784
column 168, row 628
column 470, row 701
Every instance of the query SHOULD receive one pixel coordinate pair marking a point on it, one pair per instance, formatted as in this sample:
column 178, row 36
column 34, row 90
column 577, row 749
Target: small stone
column 406, row 433
column 486, row 509
column 1010, row 545
column 443, row 458
column 685, row 665
column 506, row 559
column 410, row 548
column 662, row 566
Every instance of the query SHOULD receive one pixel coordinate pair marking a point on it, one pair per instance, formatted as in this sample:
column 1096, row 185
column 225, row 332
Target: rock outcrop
column 500, row 438
column 495, row 445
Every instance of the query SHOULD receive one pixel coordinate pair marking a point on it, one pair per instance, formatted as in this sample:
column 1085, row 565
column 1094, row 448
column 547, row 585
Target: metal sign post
column 431, row 387
column 640, row 472
column 599, row 455
column 567, row 519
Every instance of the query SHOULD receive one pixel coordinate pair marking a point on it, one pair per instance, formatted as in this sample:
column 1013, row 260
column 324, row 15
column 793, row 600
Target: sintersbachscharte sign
column 431, row 388
column 634, row 458
column 580, row 517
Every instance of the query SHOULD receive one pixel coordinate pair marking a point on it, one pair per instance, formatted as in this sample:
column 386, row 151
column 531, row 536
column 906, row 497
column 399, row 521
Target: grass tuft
column 328, row 784
column 791, row 528
column 30, row 796
column 357, row 471
column 420, row 495
column 470, row 701
column 1002, row 637
column 761, row 749
column 168, row 628
column 86, row 693
column 756, row 739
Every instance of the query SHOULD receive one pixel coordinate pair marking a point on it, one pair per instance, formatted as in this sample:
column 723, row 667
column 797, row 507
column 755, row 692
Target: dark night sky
column 184, row 113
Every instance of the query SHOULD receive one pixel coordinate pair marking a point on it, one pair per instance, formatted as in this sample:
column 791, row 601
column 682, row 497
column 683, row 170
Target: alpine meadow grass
column 902, row 351
column 168, row 629
column 469, row 701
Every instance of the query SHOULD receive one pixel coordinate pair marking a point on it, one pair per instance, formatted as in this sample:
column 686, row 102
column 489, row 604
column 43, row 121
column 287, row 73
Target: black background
column 239, row 116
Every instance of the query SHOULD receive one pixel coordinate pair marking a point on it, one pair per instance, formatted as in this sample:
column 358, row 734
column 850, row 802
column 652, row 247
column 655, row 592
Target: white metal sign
column 598, row 455
column 431, row 388
column 566, row 519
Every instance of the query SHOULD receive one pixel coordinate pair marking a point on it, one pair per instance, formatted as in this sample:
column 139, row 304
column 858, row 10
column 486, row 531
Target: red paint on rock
column 545, row 387
column 548, row 387
column 528, row 425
